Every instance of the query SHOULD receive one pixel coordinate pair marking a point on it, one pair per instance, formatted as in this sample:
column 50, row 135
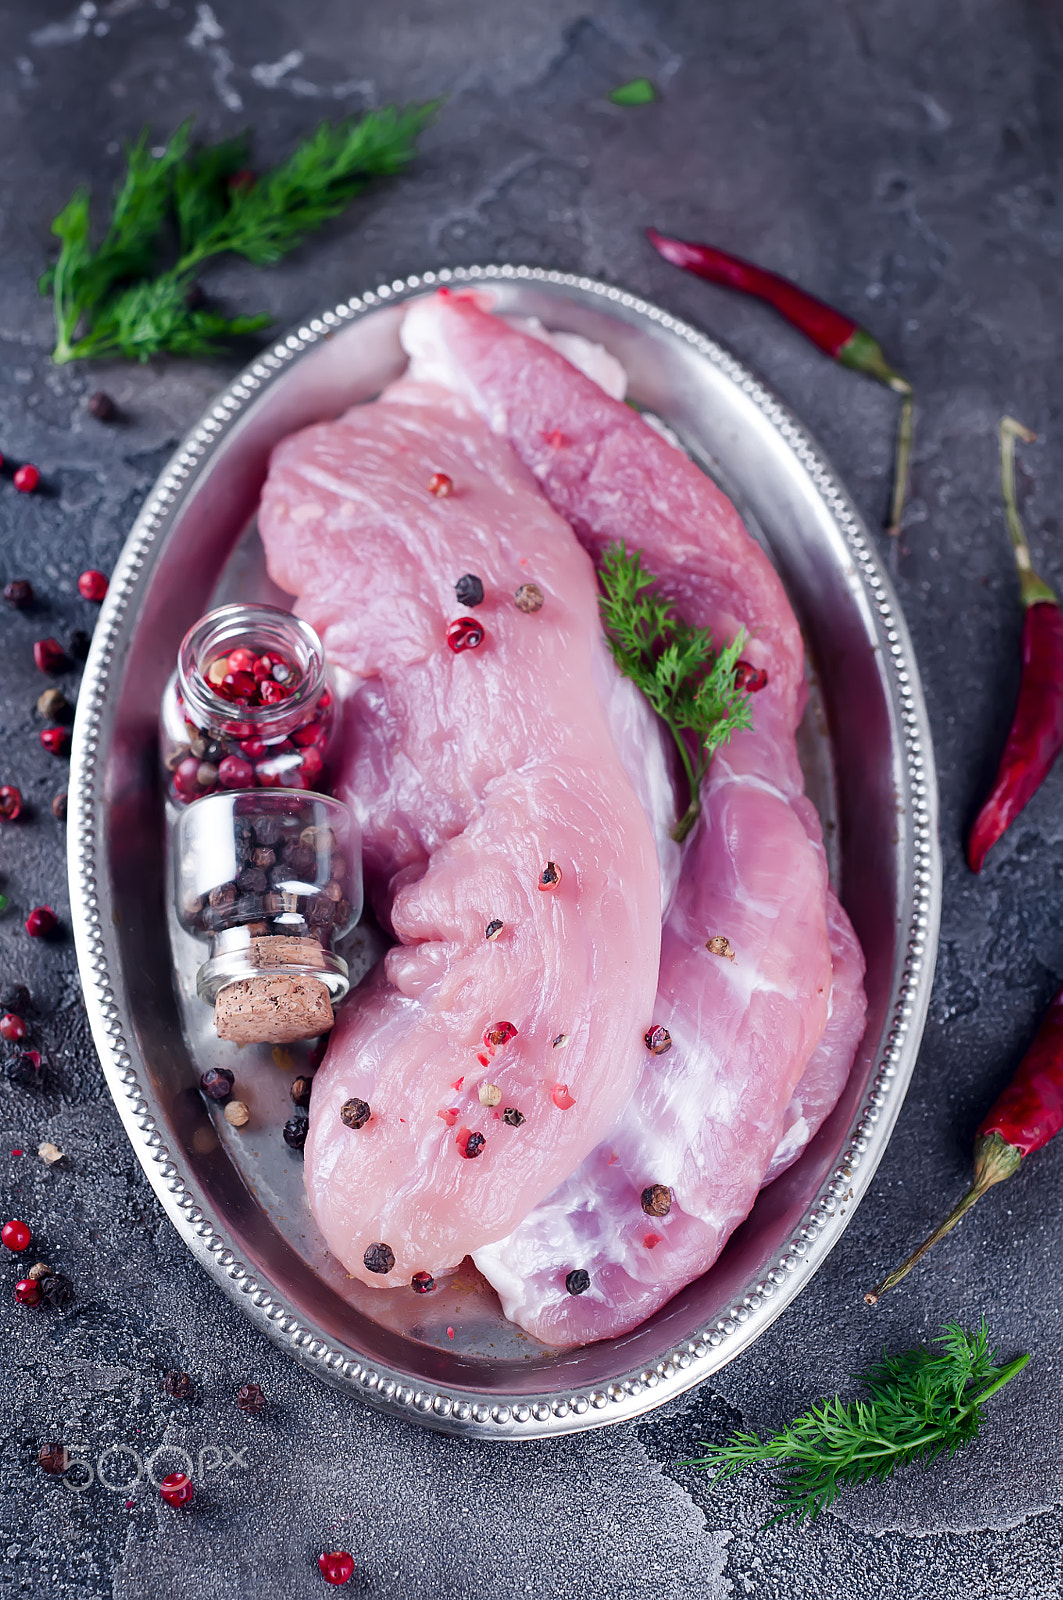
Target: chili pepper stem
column 994, row 1160
column 902, row 461
column 1033, row 587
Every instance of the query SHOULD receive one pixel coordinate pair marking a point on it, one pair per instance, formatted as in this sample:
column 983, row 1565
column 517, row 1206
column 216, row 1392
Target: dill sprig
column 923, row 1402
column 691, row 687
column 123, row 297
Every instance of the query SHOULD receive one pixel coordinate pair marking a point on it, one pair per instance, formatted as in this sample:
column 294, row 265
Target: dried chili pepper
column 1036, row 734
column 1026, row 1116
column 830, row 331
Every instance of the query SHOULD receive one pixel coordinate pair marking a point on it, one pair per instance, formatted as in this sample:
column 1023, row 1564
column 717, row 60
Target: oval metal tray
column 453, row 1362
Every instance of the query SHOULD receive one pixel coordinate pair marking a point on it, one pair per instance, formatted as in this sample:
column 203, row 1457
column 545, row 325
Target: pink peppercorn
column 336, row 1566
column 465, row 633
column 176, row 1489
column 92, row 585
column 234, row 773
column 27, row 478
column 50, row 656
column 28, row 1292
column 15, row 1235
column 12, row 1029
column 41, row 921
column 56, row 740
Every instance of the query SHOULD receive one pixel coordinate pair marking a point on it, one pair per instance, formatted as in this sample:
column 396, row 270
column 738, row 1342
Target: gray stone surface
column 902, row 157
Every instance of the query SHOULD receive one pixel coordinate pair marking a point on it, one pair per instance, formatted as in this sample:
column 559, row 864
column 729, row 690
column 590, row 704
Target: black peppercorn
column 252, row 880
column 578, row 1281
column 300, row 1091
column 379, row 1258
column 512, row 1117
column 493, row 929
column 80, row 644
column 178, row 1384
column 250, row 1399
column 473, row 1146
column 657, row 1200
column 53, row 1458
column 469, row 590
column 422, row 1283
column 17, row 999
column 295, row 1132
column 355, row 1113
column 59, row 806
column 19, row 593
column 57, row 1291
column 102, row 407
column 217, row 1083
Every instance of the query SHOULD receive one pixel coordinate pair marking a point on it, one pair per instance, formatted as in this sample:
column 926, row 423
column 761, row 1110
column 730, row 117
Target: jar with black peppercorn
column 248, row 706
column 271, row 877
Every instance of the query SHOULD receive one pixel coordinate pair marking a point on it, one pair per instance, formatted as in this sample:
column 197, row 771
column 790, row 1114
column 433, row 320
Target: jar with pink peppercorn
column 248, row 706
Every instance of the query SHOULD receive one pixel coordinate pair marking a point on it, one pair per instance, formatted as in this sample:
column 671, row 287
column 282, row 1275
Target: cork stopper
column 272, row 1010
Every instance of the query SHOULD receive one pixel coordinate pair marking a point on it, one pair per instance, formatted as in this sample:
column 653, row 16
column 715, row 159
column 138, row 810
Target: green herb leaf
column 123, row 299
column 923, row 1402
column 689, row 685
column 639, row 92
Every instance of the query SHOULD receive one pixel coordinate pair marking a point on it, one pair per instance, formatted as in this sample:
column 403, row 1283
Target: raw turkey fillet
column 708, row 1117
column 468, row 773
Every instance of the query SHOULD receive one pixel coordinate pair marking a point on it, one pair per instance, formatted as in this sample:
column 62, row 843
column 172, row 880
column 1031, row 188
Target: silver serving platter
column 450, row 1360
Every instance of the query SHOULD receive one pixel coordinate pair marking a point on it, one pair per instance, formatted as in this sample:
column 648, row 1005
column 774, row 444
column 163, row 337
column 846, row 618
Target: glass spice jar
column 271, row 877
column 248, row 706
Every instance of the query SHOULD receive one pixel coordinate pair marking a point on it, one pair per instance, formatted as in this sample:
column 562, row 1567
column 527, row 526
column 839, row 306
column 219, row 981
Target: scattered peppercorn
column 469, row 590
column 178, row 1384
column 53, row 1458
column 26, row 478
column 300, row 1091
column 92, row 585
column 550, row 876
column 336, row 1566
column 102, row 407
column 11, row 804
column 658, row 1040
column 751, row 679
column 657, row 1200
column 17, row 998
column 493, row 929
column 15, row 1235
column 529, row 598
column 176, row 1489
column 80, row 644
column 28, row 1292
column 53, row 705
column 464, row 633
column 217, row 1083
column 422, row 1283
column 26, row 1070
column 470, row 1144
column 59, row 806
column 719, row 946
column 39, row 1271
column 355, row 1113
column 578, row 1281
column 41, row 922
column 56, row 741
column 50, row 656
column 379, row 1258
column 440, row 485
column 57, row 1291
column 236, row 1113
column 561, row 1097
column 512, row 1117
column 499, row 1034
column 49, row 1153
column 489, row 1094
column 250, row 1399
column 295, row 1132
column 560, row 1041
column 18, row 593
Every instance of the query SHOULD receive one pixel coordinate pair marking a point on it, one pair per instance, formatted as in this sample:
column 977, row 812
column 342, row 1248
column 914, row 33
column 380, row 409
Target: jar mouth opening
column 262, row 629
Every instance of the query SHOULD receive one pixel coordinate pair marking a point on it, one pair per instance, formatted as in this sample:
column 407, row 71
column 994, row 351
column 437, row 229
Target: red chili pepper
column 830, row 331
column 1026, row 1116
column 1036, row 734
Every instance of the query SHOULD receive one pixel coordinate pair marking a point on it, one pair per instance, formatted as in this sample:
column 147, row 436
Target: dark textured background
column 901, row 157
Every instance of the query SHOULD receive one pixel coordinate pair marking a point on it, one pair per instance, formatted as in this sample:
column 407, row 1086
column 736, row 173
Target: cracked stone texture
column 902, row 158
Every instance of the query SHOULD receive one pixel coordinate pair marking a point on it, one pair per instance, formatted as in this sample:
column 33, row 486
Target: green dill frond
column 924, row 1402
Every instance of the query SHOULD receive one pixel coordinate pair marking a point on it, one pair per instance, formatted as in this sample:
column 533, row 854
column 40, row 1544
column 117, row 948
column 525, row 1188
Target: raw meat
column 468, row 772
column 707, row 1116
